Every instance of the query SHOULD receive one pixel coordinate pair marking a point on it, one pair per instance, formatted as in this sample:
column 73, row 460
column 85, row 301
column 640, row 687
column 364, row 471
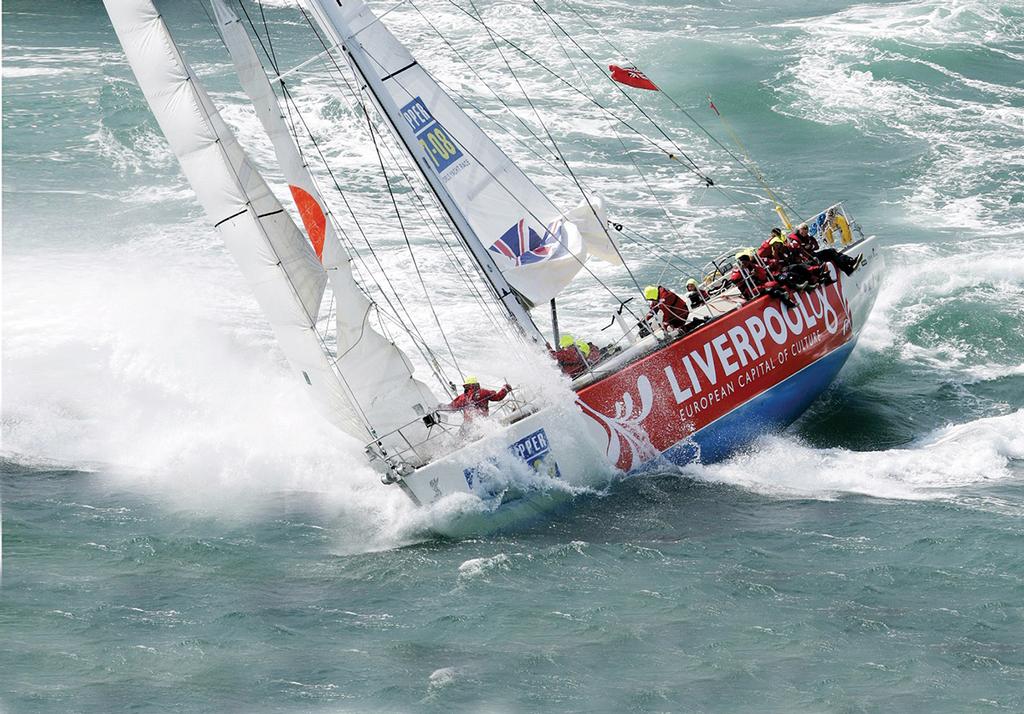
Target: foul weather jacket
column 474, row 402
column 673, row 308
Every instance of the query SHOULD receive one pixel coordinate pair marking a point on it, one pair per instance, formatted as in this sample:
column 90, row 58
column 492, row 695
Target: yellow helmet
column 690, row 282
column 650, row 293
column 584, row 347
column 466, row 381
column 746, row 252
column 566, row 340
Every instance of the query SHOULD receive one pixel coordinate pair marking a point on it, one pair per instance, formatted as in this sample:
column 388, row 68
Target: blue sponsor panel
column 534, row 449
column 435, row 140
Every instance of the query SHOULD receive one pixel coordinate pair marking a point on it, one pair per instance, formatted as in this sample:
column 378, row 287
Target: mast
column 336, row 24
column 279, row 263
column 376, row 371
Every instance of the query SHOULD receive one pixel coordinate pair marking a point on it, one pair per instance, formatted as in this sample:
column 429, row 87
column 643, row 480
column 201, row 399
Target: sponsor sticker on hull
column 658, row 401
column 534, row 449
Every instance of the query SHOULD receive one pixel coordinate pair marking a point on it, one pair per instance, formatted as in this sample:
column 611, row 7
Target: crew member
column 767, row 250
column 748, row 275
column 569, row 356
column 475, row 401
column 591, row 352
column 752, row 279
column 673, row 308
column 802, row 240
column 697, row 295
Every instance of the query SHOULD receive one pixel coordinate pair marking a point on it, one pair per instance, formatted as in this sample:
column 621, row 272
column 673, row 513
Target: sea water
column 181, row 532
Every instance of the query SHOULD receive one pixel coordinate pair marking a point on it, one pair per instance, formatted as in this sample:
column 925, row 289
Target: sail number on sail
column 436, row 142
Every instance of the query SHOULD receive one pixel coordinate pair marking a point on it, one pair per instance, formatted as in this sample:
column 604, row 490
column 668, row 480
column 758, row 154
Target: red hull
column 660, row 400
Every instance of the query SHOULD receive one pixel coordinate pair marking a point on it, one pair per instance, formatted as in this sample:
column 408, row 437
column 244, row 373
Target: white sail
column 536, row 248
column 278, row 262
column 376, row 371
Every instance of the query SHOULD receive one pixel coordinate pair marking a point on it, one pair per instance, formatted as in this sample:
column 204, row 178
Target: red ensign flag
column 632, row 76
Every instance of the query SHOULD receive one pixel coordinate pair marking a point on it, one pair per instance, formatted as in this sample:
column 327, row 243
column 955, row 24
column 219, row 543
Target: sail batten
column 376, row 371
column 525, row 245
column 279, row 263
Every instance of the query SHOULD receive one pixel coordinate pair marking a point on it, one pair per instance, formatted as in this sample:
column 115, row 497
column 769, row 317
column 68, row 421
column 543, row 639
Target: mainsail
column 508, row 223
column 281, row 266
column 375, row 369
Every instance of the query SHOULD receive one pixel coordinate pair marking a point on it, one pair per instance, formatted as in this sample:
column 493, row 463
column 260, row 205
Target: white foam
column 922, row 280
column 966, row 177
column 939, row 466
column 481, row 566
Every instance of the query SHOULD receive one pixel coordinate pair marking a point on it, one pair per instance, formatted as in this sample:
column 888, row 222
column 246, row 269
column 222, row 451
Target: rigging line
column 289, row 104
column 344, row 78
column 476, row 74
column 626, row 94
column 408, row 243
column 270, row 42
column 439, row 234
column 666, row 257
column 301, row 65
column 754, row 172
column 263, row 46
column 643, row 176
column 590, row 99
column 420, row 345
column 202, row 5
column 497, row 180
column 561, row 156
column 409, row 326
column 378, row 18
column 533, row 151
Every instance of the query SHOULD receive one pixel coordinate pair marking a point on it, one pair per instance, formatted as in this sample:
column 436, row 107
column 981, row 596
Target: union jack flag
column 524, row 246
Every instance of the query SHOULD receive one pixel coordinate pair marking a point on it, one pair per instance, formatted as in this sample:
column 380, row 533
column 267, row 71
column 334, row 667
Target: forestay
column 376, row 371
column 537, row 249
column 278, row 262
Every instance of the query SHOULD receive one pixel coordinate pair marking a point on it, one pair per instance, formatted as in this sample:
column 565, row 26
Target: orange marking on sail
column 312, row 218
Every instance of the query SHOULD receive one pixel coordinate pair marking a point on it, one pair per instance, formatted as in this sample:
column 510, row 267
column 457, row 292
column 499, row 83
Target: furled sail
column 375, row 369
column 280, row 265
column 535, row 247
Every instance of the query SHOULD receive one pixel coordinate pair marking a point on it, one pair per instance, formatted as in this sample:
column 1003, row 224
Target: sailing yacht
column 750, row 363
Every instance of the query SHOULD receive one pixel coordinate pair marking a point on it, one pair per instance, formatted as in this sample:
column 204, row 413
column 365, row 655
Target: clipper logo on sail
column 437, row 144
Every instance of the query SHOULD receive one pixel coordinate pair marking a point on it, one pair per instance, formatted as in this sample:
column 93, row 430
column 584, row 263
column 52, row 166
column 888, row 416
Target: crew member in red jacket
column 474, row 401
column 752, row 280
column 748, row 276
column 673, row 308
column 768, row 251
column 801, row 240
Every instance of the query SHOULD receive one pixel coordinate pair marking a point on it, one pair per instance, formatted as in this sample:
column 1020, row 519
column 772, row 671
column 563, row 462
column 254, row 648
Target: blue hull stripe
column 771, row 410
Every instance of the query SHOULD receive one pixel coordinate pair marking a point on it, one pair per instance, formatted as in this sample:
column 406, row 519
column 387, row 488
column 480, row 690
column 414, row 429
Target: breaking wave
column 941, row 466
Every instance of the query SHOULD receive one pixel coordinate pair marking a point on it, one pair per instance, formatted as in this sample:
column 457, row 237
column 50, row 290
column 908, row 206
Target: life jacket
column 570, row 360
column 673, row 308
column 475, row 402
column 698, row 297
column 748, row 280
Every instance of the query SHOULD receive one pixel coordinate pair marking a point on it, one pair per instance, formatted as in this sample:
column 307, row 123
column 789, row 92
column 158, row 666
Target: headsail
column 278, row 262
column 515, row 226
column 375, row 369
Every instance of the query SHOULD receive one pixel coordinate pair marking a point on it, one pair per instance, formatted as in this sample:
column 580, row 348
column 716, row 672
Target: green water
column 181, row 532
